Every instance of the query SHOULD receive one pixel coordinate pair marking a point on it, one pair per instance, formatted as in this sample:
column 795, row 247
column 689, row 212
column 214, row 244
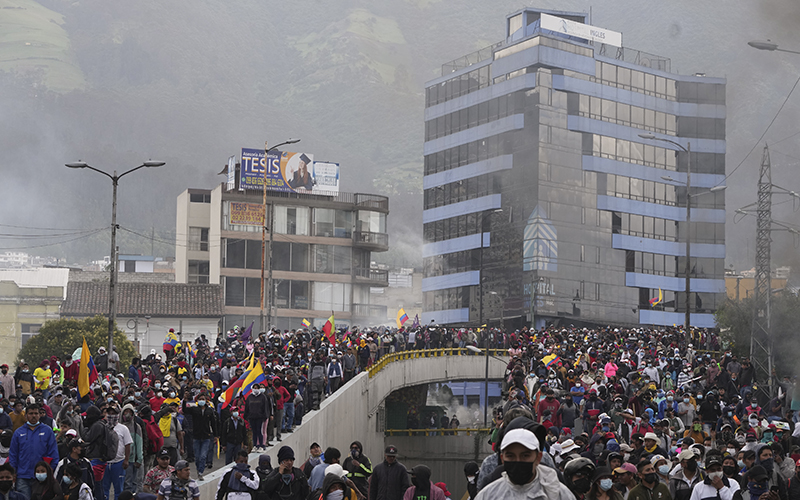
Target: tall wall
column 352, row 413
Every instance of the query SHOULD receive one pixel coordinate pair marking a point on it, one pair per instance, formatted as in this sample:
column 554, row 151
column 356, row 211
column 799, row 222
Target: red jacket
column 285, row 397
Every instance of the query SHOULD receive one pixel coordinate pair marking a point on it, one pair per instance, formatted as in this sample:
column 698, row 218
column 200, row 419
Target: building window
column 290, row 256
column 332, row 259
column 331, row 296
column 198, row 271
column 597, row 291
column 292, row 220
column 242, row 254
column 243, row 292
column 200, row 197
column 292, row 294
column 372, row 222
column 333, row 223
column 198, row 238
column 597, row 256
column 28, row 331
column 583, row 253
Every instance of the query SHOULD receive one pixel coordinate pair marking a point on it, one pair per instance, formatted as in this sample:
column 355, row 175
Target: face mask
column 355, row 453
column 670, row 398
column 6, row 485
column 740, row 439
column 67, row 480
column 336, row 495
column 740, row 464
column 756, row 489
column 159, row 394
column 691, row 465
column 753, row 405
column 112, row 419
column 663, row 469
column 715, row 475
column 25, row 371
column 582, row 486
column 5, row 371
column 729, row 470
column 768, row 436
column 172, row 394
column 115, row 391
column 731, row 451
column 137, row 394
column 201, row 403
column 699, row 396
column 41, row 476
column 470, row 479
column 730, row 413
column 767, row 464
column 158, row 385
column 626, row 456
column 697, row 427
column 519, row 473
column 110, row 398
column 651, row 478
column 685, row 400
column 606, row 484
column 598, row 448
column 235, row 414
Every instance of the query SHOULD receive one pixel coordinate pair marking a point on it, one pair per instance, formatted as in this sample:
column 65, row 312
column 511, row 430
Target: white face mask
column 336, row 495
column 715, row 475
column 471, row 479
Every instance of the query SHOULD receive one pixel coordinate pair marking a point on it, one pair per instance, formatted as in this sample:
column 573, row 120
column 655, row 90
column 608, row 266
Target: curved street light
column 112, row 300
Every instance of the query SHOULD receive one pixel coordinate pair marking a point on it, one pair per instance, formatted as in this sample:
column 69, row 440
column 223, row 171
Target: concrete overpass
column 355, row 412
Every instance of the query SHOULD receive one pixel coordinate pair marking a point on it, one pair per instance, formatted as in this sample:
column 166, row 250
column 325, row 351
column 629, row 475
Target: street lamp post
column 480, row 314
column 265, row 322
column 502, row 314
column 112, row 291
column 687, row 269
column 769, row 45
column 477, row 350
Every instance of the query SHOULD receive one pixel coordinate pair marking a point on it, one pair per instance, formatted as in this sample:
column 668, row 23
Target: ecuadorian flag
column 306, row 323
column 402, row 317
column 170, row 341
column 657, row 300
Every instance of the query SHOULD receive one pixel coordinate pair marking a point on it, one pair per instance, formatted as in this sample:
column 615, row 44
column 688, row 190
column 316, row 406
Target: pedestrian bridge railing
column 428, row 353
column 435, row 432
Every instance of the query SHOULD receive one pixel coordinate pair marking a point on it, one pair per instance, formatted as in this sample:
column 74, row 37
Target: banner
column 231, row 173
column 288, row 172
column 580, row 30
column 246, row 214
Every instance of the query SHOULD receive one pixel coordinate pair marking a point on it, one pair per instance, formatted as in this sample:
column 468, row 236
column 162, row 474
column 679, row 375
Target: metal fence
column 428, row 353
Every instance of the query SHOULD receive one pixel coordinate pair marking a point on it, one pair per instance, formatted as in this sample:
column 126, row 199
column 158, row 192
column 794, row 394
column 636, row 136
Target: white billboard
column 581, row 30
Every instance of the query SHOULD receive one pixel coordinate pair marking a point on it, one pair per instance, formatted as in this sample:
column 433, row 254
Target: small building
column 23, row 311
column 146, row 311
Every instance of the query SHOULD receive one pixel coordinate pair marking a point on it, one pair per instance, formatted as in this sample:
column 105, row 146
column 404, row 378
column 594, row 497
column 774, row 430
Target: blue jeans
column 288, row 416
column 231, row 450
column 133, row 478
column 24, row 486
column 201, row 447
column 115, row 475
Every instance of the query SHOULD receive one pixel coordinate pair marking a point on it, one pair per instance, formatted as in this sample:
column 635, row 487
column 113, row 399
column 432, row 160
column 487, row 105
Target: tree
column 61, row 338
column 735, row 319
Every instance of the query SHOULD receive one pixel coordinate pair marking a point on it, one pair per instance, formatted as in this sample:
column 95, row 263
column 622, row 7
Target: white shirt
column 702, row 490
column 124, row 439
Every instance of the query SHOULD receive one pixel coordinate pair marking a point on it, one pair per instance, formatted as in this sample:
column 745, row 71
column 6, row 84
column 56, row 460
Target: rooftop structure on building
column 538, row 184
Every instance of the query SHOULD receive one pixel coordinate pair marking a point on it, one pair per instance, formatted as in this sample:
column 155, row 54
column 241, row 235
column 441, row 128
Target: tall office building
column 538, row 182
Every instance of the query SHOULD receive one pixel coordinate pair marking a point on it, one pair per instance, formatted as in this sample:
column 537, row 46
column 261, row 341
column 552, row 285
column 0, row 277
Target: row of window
column 454, row 227
column 479, row 114
column 289, row 294
column 643, row 226
column 650, row 263
column 636, row 189
column 637, row 81
column 458, row 86
column 198, row 239
column 304, row 221
column 471, row 152
column 629, row 151
column 625, row 114
column 297, row 257
column 463, row 190
column 450, row 298
column 450, row 263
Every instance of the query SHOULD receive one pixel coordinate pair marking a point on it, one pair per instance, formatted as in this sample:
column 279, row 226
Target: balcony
column 378, row 242
column 374, row 277
column 370, row 311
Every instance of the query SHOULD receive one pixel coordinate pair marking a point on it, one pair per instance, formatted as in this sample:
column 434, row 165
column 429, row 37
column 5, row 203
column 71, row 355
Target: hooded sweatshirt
column 423, row 488
column 330, row 480
column 360, row 473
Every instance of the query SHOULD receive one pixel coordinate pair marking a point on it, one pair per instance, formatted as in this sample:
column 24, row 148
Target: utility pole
column 760, row 338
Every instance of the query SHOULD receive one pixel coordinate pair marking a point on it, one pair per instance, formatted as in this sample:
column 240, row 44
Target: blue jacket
column 5, row 422
column 133, row 374
column 29, row 446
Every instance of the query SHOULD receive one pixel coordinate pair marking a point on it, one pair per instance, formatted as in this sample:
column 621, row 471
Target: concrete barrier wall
column 351, row 413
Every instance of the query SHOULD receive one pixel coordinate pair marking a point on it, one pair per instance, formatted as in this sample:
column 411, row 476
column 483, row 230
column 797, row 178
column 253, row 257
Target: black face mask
column 691, row 465
column 6, row 485
column 582, row 486
column 519, row 473
column 729, row 470
column 651, row 478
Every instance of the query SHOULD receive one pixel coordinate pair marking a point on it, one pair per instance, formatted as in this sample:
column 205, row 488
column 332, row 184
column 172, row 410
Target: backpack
column 110, row 444
column 155, row 438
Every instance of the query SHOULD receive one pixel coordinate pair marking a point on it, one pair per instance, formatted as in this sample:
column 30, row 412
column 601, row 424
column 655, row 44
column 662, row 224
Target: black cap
column 713, row 460
column 390, row 451
column 163, row 453
column 757, row 473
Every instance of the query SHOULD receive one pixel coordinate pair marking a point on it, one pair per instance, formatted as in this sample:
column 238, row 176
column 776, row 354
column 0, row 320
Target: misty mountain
column 192, row 82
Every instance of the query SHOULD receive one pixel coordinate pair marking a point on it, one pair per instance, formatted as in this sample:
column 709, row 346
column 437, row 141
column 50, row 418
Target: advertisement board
column 231, row 173
column 581, row 30
column 288, row 172
column 246, row 214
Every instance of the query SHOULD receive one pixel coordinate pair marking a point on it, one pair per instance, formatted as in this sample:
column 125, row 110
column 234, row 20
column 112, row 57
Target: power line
column 53, row 244
column 765, row 131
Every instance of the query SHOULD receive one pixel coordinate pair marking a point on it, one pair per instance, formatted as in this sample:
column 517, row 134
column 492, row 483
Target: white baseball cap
column 522, row 436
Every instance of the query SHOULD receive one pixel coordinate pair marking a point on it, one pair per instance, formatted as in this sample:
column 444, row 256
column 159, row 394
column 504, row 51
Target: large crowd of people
column 600, row 414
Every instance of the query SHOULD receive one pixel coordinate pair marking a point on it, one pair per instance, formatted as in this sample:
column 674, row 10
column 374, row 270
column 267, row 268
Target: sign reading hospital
column 288, row 172
column 580, row 30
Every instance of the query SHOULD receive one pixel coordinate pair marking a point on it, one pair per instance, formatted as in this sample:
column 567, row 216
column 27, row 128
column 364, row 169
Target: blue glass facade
column 545, row 127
